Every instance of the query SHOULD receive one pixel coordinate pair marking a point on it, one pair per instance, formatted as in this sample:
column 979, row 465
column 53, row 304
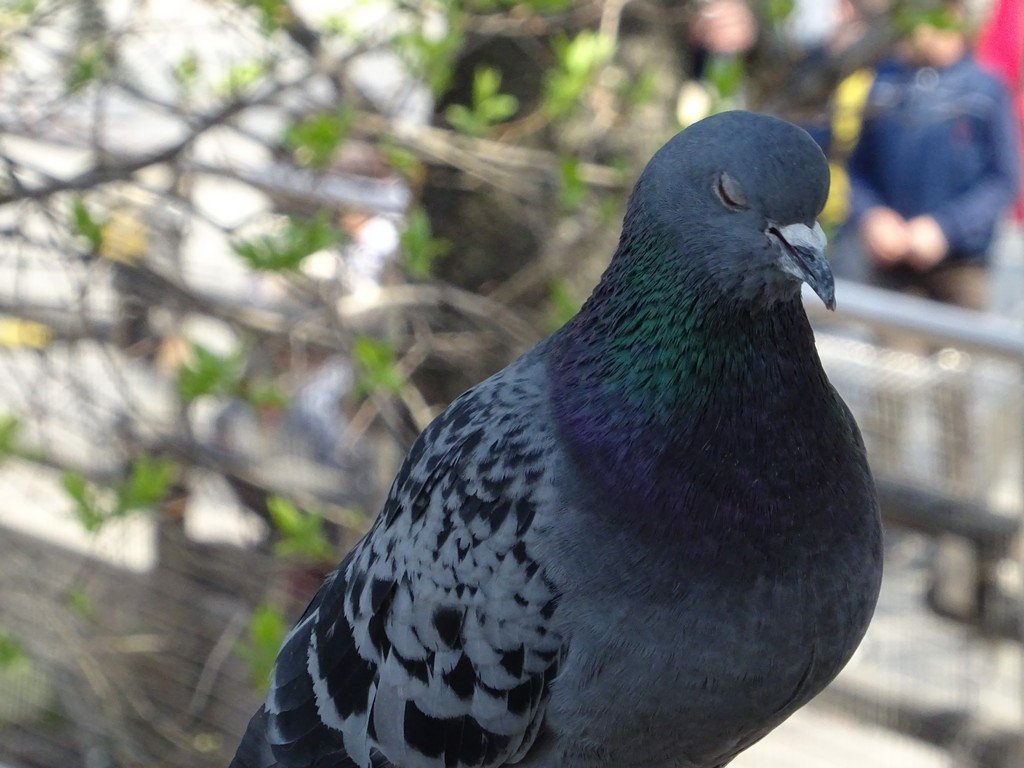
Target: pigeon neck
column 649, row 351
column 665, row 397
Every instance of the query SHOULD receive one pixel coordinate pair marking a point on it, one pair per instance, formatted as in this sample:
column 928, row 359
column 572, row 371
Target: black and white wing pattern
column 432, row 645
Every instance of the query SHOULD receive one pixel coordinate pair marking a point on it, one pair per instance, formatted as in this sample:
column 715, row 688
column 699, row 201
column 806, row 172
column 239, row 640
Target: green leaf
column 9, row 429
column 537, row 6
column 80, row 602
column 147, row 484
column 186, row 71
column 302, row 532
column 419, row 246
column 273, row 14
column 87, row 225
column 941, row 16
column 609, row 210
column 286, row 250
column 463, row 120
column 489, row 104
column 241, row 77
column 641, row 89
column 565, row 305
column 265, row 394
column 578, row 61
column 90, row 64
column 316, row 139
column 779, row 10
column 401, row 159
column 572, row 189
column 87, row 508
column 726, row 74
column 378, row 371
column 22, row 7
column 11, row 650
column 208, row 373
column 431, row 58
column 546, row 6
column 267, row 630
column 340, row 25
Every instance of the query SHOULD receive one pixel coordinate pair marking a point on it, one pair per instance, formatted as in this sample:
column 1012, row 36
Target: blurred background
column 249, row 248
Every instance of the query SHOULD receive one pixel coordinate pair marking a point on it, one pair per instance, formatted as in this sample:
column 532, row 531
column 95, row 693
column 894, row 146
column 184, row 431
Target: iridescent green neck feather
column 674, row 387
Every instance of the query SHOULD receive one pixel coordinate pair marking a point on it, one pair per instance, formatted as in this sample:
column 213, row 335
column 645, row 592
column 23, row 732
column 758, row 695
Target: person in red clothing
column 1000, row 50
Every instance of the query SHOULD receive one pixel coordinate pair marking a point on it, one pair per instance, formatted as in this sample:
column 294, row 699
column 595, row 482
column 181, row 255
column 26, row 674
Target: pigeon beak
column 802, row 255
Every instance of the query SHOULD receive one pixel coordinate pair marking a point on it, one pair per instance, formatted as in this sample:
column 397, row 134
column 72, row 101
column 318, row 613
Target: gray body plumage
column 505, row 609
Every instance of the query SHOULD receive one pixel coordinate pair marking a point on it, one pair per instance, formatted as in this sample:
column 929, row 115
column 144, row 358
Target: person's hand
column 927, row 243
column 886, row 236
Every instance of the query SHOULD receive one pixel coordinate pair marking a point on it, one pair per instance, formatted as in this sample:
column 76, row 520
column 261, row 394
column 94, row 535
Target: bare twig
column 219, row 654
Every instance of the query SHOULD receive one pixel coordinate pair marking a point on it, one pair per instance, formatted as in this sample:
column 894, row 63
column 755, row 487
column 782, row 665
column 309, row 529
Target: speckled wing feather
column 432, row 644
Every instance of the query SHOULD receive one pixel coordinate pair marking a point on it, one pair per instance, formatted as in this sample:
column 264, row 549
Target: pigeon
column 643, row 544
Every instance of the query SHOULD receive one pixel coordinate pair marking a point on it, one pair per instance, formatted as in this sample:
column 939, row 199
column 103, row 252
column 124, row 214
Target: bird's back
column 433, row 643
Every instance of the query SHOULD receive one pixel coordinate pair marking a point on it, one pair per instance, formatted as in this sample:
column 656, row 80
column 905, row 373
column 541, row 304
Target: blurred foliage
column 564, row 304
column 205, row 372
column 909, row 16
column 489, row 106
column 208, row 373
column 377, row 368
column 242, row 77
column 419, row 246
column 779, row 11
column 80, row 602
column 301, row 532
column 86, row 224
column 259, row 650
column 572, row 189
column 186, row 72
column 12, row 651
column 432, row 55
column 539, row 6
column 286, row 250
column 145, row 486
column 273, row 14
column 83, row 494
column 639, row 90
column 727, row 74
column 401, row 159
column 315, row 140
column 89, row 65
column 578, row 60
column 9, row 429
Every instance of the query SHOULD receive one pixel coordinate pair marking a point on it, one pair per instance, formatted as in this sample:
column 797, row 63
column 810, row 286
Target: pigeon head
column 734, row 197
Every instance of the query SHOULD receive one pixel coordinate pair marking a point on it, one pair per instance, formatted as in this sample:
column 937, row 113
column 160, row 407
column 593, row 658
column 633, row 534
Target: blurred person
column 721, row 32
column 725, row 35
column 839, row 26
column 936, row 165
column 724, row 28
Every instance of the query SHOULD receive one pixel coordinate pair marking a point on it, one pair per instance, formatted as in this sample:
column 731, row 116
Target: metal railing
column 945, row 437
column 927, row 320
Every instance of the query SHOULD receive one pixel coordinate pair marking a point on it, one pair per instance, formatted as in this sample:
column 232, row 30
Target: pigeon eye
column 730, row 192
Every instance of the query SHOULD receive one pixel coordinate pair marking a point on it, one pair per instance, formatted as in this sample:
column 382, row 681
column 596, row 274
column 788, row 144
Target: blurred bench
column 966, row 588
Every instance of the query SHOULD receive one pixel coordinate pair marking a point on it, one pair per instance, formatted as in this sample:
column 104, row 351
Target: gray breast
column 672, row 665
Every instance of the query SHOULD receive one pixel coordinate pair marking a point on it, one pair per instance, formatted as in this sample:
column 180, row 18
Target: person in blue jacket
column 936, row 166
